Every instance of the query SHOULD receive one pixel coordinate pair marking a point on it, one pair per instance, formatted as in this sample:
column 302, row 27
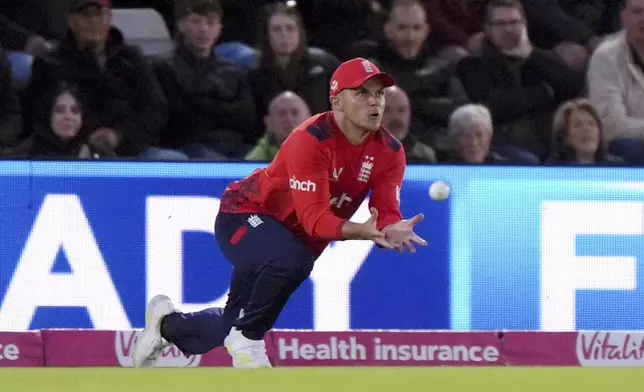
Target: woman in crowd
column 58, row 132
column 287, row 64
column 578, row 134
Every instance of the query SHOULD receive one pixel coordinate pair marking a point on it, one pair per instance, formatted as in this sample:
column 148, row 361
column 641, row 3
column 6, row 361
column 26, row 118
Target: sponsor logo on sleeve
column 303, row 186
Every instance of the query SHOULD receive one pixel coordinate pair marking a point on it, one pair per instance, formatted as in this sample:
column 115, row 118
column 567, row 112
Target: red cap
column 353, row 73
column 78, row 4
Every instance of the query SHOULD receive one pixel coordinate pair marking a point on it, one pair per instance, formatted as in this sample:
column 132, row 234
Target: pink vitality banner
column 85, row 348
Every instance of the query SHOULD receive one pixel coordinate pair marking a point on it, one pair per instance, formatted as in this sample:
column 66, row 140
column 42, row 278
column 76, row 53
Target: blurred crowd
column 478, row 81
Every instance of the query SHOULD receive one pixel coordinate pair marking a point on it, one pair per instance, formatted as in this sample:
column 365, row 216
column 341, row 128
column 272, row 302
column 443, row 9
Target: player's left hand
column 401, row 234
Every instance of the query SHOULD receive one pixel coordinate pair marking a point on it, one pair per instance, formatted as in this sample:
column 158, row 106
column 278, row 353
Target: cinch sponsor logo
column 9, row 352
column 304, row 186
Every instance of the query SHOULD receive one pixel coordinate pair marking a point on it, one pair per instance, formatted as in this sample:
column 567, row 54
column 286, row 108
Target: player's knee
column 300, row 265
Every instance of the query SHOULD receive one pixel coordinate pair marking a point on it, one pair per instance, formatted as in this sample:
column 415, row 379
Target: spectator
column 211, row 109
column 457, row 26
column 10, row 109
column 333, row 24
column 286, row 63
column 428, row 79
column 124, row 105
column 471, row 130
column 521, row 85
column 397, row 119
column 616, row 77
column 560, row 25
column 577, row 136
column 285, row 112
column 57, row 134
column 406, row 31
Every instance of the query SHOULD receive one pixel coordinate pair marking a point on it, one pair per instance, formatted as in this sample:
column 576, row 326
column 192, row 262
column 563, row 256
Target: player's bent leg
column 197, row 332
column 273, row 287
column 149, row 343
column 245, row 353
column 241, row 286
column 283, row 297
column 245, row 342
column 265, row 251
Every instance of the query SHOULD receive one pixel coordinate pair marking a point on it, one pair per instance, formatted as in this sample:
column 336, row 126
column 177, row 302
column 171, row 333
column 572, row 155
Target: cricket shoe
column 246, row 353
column 149, row 343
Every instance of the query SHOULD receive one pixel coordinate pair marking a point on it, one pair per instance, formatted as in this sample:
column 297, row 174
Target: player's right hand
column 366, row 231
column 372, row 233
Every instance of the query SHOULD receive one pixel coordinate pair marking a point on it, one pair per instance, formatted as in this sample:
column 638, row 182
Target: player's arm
column 308, row 170
column 385, row 197
column 385, row 191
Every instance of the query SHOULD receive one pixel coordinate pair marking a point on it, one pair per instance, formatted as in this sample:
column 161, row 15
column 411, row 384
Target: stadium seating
column 146, row 29
column 631, row 150
column 238, row 53
column 20, row 63
column 518, row 155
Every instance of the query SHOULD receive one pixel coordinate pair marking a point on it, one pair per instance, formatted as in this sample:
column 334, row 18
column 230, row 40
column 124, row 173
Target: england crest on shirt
column 365, row 169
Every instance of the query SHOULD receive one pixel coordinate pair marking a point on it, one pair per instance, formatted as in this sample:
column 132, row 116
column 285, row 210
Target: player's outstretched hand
column 372, row 232
column 401, row 234
column 366, row 231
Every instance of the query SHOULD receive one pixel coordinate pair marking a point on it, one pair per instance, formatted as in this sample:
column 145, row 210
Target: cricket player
column 274, row 224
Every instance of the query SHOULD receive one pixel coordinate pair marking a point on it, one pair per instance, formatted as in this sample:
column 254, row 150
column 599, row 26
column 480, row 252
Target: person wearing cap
column 211, row 108
column 124, row 105
column 274, row 224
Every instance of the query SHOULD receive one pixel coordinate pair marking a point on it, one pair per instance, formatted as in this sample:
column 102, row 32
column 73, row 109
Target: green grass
column 363, row 379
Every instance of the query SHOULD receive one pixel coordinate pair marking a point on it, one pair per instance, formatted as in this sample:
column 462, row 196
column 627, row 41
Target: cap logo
column 334, row 85
column 368, row 67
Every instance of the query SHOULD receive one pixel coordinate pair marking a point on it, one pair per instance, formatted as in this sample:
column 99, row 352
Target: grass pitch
column 359, row 379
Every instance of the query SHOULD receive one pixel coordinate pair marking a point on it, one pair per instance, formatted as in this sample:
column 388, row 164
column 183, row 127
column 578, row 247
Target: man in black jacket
column 407, row 53
column 521, row 85
column 572, row 28
column 124, row 107
column 212, row 113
